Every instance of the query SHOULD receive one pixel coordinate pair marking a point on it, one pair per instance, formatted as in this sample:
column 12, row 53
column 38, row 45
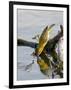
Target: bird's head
column 50, row 28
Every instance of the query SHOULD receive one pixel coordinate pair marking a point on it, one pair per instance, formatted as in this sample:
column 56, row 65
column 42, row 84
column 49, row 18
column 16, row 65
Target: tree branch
column 21, row 42
column 52, row 43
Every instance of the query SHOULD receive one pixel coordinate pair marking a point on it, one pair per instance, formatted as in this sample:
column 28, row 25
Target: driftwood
column 21, row 42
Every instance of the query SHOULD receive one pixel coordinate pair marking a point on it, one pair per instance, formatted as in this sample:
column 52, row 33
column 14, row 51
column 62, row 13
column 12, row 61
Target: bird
column 43, row 39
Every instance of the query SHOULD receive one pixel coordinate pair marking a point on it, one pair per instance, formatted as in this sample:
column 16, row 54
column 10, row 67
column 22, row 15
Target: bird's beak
column 50, row 28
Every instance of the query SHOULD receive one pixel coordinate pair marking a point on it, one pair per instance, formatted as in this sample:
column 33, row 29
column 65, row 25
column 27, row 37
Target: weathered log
column 21, row 42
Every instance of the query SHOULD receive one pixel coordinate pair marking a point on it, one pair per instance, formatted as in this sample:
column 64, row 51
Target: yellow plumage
column 42, row 64
column 43, row 39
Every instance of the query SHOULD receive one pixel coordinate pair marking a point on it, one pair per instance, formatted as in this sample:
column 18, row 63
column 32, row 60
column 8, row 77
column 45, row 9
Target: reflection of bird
column 42, row 64
column 43, row 39
column 44, row 67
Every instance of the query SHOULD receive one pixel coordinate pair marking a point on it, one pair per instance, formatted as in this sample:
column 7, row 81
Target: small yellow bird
column 43, row 40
